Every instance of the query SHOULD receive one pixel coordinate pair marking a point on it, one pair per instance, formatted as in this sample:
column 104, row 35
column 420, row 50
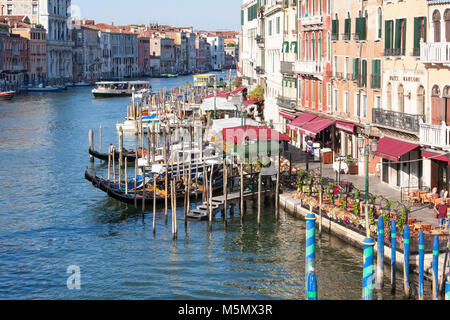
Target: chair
column 429, row 197
column 415, row 196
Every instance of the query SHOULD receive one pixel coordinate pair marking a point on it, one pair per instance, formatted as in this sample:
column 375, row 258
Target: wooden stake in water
column 135, row 180
column 435, row 267
column 421, row 264
column 259, row 198
column 91, row 143
column 393, row 254
column 109, row 164
column 126, row 176
column 100, row 137
column 154, row 202
column 114, row 165
column 380, row 254
column 242, row 189
column 368, row 269
column 406, row 261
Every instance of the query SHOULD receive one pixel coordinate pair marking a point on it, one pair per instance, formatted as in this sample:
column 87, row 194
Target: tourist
column 441, row 212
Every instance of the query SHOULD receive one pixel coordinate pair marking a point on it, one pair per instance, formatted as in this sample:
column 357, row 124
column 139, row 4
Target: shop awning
column 238, row 90
column 301, row 120
column 250, row 102
column 436, row 156
column 220, row 94
column 238, row 135
column 314, row 127
column 392, row 149
column 287, row 115
column 345, row 126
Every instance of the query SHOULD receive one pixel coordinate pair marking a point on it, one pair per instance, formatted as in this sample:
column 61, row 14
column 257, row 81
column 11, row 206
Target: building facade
column 87, row 54
column 15, row 58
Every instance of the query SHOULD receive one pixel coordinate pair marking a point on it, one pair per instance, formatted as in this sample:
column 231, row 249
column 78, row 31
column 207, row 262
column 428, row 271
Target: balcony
column 334, row 37
column 286, row 103
column 313, row 20
column 259, row 40
column 435, row 53
column 309, row 68
column 435, row 135
column 398, row 120
column 287, row 67
column 394, row 52
column 259, row 70
column 346, row 36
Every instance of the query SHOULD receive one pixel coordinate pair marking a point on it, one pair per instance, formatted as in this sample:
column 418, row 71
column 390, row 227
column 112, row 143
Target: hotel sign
column 404, row 79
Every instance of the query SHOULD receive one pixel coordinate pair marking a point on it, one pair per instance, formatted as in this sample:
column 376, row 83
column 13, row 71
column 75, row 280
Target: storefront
column 401, row 163
column 437, row 166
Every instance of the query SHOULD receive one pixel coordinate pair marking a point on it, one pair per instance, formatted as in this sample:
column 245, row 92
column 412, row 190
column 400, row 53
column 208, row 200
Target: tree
column 231, row 44
column 258, row 93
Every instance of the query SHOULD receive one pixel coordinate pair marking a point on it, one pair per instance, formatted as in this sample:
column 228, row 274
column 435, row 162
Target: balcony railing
column 259, row 40
column 435, row 52
column 312, row 20
column 398, row 120
column 394, row 52
column 415, row 52
column 287, row 67
column 334, row 36
column 346, row 36
column 259, row 70
column 286, row 102
column 435, row 135
column 309, row 67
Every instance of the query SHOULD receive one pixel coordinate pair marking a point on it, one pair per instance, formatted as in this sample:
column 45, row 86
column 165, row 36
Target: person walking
column 441, row 212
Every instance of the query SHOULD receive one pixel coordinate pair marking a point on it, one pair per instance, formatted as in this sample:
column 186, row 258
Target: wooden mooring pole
column 91, row 144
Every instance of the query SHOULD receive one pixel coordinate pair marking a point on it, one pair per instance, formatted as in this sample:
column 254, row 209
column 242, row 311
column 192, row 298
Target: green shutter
column 387, row 35
column 362, row 29
column 334, row 27
column 348, row 26
column 364, row 73
column 398, row 29
column 417, row 30
column 404, row 35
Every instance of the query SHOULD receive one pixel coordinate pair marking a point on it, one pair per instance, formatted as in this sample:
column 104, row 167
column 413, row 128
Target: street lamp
column 215, row 96
column 242, row 111
column 367, row 149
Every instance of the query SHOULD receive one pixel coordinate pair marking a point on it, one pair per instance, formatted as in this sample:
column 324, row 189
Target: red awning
column 287, row 115
column 302, row 119
column 238, row 90
column 238, row 135
column 345, row 126
column 315, row 126
column 392, row 149
column 436, row 156
column 250, row 102
column 220, row 94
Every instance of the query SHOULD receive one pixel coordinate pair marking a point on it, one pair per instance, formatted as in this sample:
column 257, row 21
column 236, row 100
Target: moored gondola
column 130, row 155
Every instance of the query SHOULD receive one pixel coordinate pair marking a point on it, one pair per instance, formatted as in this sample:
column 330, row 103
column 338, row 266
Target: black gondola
column 130, row 155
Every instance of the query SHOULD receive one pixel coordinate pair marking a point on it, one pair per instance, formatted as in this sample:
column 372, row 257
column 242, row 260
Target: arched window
column 437, row 25
column 401, row 99
column 447, row 25
column 379, row 23
column 313, row 46
column 446, row 92
column 389, row 97
column 436, row 92
column 421, row 103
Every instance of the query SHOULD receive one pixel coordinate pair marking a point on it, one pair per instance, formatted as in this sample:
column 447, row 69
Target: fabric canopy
column 436, row 156
column 302, row 119
column 238, row 90
column 221, row 104
column 315, row 126
column 238, row 135
column 346, row 126
column 250, row 102
column 220, row 94
column 392, row 149
column 287, row 115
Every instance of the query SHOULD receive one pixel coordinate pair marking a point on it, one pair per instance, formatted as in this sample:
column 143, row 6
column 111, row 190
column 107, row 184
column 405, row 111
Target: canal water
column 51, row 218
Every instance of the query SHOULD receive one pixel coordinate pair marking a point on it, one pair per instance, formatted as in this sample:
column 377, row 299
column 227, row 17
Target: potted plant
column 352, row 165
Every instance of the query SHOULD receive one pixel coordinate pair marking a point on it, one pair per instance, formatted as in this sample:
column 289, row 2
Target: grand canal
column 52, row 218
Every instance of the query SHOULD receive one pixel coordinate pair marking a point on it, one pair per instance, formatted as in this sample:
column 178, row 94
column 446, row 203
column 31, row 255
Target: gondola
column 130, row 155
column 113, row 190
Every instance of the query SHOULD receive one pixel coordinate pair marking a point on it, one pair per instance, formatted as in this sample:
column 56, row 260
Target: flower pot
column 353, row 169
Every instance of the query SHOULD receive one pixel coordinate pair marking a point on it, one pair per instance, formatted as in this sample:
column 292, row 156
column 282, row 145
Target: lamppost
column 242, row 111
column 215, row 96
column 368, row 149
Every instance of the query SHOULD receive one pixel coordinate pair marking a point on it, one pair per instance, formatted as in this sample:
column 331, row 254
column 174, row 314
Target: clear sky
column 200, row 14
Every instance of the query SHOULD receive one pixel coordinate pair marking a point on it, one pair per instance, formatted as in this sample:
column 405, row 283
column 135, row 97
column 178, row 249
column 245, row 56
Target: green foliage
column 237, row 82
column 357, row 193
column 356, row 209
column 343, row 201
column 401, row 219
column 231, row 44
column 257, row 93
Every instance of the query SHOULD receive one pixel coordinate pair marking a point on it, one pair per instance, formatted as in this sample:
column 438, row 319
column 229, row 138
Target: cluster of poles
column 368, row 263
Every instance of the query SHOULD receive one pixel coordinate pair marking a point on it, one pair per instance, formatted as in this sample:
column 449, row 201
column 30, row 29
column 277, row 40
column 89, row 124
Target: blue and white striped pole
column 447, row 284
column 393, row 253
column 312, row 285
column 435, row 268
column 421, row 263
column 368, row 269
column 380, row 254
column 406, row 260
column 310, row 244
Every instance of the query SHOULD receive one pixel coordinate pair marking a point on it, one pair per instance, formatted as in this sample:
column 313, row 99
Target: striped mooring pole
column 312, row 285
column 368, row 268
column 435, row 267
column 406, row 260
column 447, row 284
column 310, row 244
column 393, row 253
column 380, row 254
column 421, row 263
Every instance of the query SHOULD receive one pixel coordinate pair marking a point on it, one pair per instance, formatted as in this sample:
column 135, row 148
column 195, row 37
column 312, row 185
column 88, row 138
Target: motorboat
column 108, row 89
column 7, row 95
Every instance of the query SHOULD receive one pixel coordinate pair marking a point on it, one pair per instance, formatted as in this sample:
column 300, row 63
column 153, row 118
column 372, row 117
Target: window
column 300, row 89
column 376, row 74
column 307, row 90
column 270, row 27
column 419, row 33
column 347, row 71
column 379, row 23
column 389, row 97
column 364, row 106
column 329, row 46
column 377, row 103
column 363, row 82
column 313, row 46
column 320, row 46
column 328, row 7
column 335, row 99
column 335, row 66
column 388, row 34
column 335, row 28
column 447, row 24
column 320, row 94
column 355, row 68
column 400, row 36
column 346, row 101
column 313, row 94
column 347, row 27
column 357, row 105
column 401, row 99
column 278, row 25
column 35, row 9
column 421, row 103
column 306, row 48
column 437, row 26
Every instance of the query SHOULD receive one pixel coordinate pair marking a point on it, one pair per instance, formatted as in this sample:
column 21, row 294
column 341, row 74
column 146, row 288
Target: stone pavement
column 421, row 213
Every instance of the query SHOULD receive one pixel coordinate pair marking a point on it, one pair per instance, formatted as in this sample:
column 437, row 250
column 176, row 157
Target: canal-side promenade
column 292, row 206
